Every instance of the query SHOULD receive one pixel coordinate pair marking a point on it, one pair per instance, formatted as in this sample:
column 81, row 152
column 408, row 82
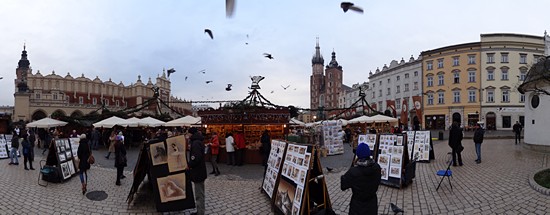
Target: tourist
column 363, row 179
column 120, row 159
column 241, row 147
column 112, row 141
column 265, row 148
column 230, row 148
column 14, row 148
column 95, row 139
column 197, row 168
column 74, row 134
column 83, row 153
column 28, row 152
column 214, row 151
column 48, row 139
column 478, row 139
column 348, row 134
column 517, row 131
column 455, row 142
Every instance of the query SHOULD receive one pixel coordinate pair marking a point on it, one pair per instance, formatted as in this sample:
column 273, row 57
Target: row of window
column 397, row 78
column 472, row 77
column 80, row 99
column 472, row 97
column 472, row 60
column 397, row 91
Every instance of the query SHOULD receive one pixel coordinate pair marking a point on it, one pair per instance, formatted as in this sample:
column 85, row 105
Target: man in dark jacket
column 478, row 139
column 265, row 149
column 363, row 179
column 455, row 142
column 517, row 131
column 197, row 168
column 14, row 149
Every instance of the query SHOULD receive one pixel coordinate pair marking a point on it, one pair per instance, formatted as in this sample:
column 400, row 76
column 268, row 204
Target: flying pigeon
column 185, row 78
column 396, row 209
column 1, row 78
column 228, row 88
column 170, row 71
column 294, row 88
column 272, row 91
column 209, row 32
column 350, row 6
column 208, row 82
column 267, row 55
column 285, row 87
column 203, row 71
column 229, row 8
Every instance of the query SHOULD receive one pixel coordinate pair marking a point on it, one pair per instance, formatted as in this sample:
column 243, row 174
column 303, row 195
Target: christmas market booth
column 249, row 118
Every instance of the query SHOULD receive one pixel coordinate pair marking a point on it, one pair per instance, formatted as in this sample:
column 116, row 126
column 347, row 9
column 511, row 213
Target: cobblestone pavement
column 499, row 185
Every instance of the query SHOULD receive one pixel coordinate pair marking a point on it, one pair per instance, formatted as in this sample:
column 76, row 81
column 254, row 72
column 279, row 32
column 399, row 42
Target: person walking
column 28, row 152
column 455, row 142
column 83, row 153
column 265, row 148
column 517, row 131
column 14, row 148
column 241, row 147
column 95, row 139
column 120, row 159
column 112, row 141
column 364, row 179
column 230, row 148
column 214, row 151
column 478, row 139
column 197, row 168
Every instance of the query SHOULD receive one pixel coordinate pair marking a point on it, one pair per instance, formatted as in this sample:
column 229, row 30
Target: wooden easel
column 316, row 186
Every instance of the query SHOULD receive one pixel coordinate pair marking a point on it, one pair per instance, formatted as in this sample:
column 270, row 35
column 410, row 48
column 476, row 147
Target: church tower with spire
column 325, row 86
column 22, row 93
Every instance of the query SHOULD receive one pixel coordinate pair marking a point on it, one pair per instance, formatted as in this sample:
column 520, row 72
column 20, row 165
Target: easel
column 316, row 187
column 406, row 168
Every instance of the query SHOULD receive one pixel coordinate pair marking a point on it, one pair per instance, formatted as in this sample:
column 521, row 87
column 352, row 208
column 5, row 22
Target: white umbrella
column 112, row 121
column 296, row 122
column 184, row 121
column 46, row 123
column 151, row 122
column 133, row 122
column 361, row 119
column 382, row 118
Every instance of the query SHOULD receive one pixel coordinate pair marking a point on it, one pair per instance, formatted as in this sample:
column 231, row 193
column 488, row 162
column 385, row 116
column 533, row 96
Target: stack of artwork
column 421, row 148
column 273, row 166
column 332, row 137
column 171, row 187
column 390, row 157
column 65, row 157
column 4, row 148
column 297, row 163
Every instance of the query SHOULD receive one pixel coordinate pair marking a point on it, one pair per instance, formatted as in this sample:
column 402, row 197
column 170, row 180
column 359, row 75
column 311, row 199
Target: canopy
column 46, row 123
column 344, row 122
column 133, row 122
column 381, row 118
column 112, row 121
column 296, row 122
column 184, row 121
column 361, row 119
column 151, row 122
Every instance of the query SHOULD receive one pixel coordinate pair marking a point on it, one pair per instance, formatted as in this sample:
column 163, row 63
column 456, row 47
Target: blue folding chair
column 446, row 172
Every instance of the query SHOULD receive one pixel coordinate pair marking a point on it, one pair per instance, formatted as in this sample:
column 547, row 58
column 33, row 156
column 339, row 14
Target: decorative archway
column 457, row 118
column 491, row 118
column 38, row 114
column 58, row 113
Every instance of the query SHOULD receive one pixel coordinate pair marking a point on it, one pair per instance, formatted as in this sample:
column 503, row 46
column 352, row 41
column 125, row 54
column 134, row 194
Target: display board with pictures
column 298, row 180
column 422, row 146
column 65, row 157
column 369, row 139
column 74, row 142
column 274, row 163
column 167, row 169
column 410, row 143
column 332, row 138
column 4, row 148
column 392, row 158
column 8, row 138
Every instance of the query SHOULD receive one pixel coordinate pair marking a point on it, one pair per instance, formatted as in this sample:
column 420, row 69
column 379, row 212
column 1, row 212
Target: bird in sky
column 229, row 8
column 272, row 91
column 246, row 40
column 185, row 78
column 1, row 78
column 396, row 209
column 170, row 71
column 267, row 55
column 208, row 82
column 203, row 71
column 350, row 6
column 209, row 32
column 294, row 88
column 285, row 87
column 228, row 88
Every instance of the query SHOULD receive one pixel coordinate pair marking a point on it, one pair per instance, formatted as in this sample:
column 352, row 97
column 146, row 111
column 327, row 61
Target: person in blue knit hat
column 363, row 178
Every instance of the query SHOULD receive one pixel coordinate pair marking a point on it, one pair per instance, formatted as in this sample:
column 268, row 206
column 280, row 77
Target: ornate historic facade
column 40, row 95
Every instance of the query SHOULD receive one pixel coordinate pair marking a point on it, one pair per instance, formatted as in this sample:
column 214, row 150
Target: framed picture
column 158, row 153
column 68, row 154
column 65, row 169
column 177, row 160
column 171, row 187
column 71, row 167
column 62, row 157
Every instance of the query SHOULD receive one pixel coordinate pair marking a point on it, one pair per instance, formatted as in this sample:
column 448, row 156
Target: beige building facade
column 39, row 95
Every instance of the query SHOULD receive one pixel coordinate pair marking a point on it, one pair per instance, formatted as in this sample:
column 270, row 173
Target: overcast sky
column 125, row 38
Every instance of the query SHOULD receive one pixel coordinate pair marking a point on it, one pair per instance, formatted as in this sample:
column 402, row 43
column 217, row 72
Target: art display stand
column 294, row 180
column 392, row 156
column 165, row 163
column 331, row 137
column 4, row 148
column 66, row 163
column 420, row 146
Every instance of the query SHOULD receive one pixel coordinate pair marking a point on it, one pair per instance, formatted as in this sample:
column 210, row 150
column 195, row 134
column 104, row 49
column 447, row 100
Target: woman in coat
column 214, row 150
column 112, row 140
column 120, row 159
column 83, row 153
column 28, row 152
column 455, row 142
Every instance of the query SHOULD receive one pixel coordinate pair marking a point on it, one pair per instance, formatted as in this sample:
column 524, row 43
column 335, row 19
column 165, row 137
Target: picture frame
column 159, row 154
column 176, row 152
column 172, row 187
